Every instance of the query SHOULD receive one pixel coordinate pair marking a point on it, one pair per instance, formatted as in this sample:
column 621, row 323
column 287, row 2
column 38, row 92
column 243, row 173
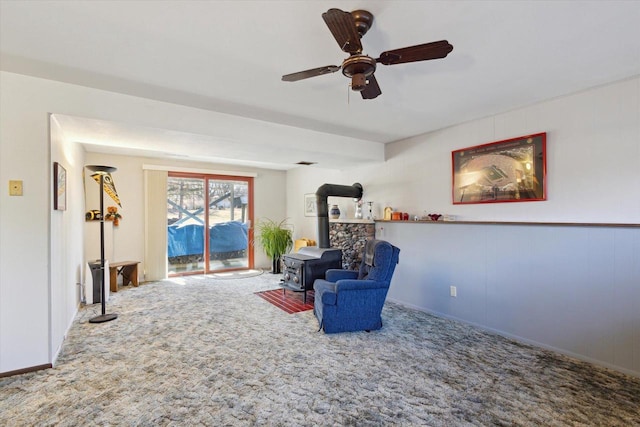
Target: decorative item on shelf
column 93, row 215
column 334, row 213
column 405, row 216
column 113, row 215
column 388, row 213
column 370, row 210
column 358, row 209
column 434, row 217
column 396, row 216
column 302, row 243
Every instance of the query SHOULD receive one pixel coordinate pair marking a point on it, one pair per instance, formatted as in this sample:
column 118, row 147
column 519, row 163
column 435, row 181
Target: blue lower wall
column 575, row 289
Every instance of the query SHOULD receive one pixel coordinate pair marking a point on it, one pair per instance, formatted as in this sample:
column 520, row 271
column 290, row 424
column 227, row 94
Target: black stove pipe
column 324, row 191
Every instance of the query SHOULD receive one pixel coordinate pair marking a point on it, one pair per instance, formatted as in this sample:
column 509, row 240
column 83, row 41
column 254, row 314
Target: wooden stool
column 128, row 270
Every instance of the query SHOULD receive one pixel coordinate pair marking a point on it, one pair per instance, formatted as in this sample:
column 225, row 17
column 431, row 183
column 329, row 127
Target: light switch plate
column 15, row 188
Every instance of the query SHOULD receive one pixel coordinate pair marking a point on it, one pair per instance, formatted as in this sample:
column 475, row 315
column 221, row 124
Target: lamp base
column 103, row 318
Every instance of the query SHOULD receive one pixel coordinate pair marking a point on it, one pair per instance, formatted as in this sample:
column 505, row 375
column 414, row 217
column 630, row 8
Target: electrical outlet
column 454, row 291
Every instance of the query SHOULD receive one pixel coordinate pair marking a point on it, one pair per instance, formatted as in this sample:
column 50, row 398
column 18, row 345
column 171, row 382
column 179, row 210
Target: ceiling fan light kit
column 348, row 28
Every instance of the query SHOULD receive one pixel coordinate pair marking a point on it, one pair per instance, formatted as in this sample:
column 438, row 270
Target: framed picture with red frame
column 513, row 170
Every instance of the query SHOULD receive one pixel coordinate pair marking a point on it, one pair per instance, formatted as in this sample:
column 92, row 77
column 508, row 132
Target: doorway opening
column 209, row 221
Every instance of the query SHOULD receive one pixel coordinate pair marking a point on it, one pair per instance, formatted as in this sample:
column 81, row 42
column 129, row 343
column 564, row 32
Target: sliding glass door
column 209, row 223
column 228, row 224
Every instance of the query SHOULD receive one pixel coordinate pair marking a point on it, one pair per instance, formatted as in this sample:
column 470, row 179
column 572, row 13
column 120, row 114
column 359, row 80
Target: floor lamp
column 104, row 317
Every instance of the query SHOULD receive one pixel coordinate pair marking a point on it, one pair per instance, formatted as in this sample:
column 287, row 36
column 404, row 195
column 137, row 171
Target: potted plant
column 275, row 238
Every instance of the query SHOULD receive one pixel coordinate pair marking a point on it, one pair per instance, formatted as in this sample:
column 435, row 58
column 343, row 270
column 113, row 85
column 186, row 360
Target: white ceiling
column 229, row 56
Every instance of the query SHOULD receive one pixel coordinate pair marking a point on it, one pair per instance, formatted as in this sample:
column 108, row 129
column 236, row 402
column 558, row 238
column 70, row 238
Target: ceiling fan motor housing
column 358, row 67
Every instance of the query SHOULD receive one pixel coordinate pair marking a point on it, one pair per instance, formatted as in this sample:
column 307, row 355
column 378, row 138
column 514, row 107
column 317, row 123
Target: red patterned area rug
column 289, row 301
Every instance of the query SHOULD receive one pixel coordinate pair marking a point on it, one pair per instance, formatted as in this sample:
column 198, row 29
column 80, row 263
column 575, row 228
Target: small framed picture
column 59, row 187
column 310, row 208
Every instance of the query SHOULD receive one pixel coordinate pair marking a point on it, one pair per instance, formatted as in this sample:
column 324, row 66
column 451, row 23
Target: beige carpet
column 204, row 351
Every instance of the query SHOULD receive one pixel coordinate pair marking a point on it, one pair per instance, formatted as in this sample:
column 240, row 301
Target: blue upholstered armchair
column 349, row 300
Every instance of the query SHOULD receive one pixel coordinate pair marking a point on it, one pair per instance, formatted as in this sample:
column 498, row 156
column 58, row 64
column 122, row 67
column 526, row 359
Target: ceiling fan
column 348, row 28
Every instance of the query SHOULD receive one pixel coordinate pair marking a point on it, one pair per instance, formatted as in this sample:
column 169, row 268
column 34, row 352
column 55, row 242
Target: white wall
column 35, row 301
column 66, row 239
column 593, row 149
column 306, row 180
column 574, row 289
column 593, row 152
column 128, row 237
column 24, row 229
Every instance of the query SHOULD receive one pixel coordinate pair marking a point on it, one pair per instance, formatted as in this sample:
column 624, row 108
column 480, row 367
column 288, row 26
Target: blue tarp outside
column 224, row 237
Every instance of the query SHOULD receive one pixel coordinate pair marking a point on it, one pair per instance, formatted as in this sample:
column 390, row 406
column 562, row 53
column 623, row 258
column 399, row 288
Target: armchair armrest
column 325, row 291
column 333, row 275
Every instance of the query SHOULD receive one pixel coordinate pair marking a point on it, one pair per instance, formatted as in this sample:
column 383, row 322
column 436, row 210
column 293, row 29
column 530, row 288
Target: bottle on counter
column 358, row 209
column 388, row 213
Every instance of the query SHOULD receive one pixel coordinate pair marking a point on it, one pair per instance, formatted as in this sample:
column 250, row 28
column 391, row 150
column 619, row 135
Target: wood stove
column 307, row 265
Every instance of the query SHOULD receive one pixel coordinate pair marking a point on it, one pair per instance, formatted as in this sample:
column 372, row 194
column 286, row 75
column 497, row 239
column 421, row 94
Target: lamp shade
column 101, row 169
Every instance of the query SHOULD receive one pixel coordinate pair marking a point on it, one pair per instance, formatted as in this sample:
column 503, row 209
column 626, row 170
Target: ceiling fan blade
column 371, row 90
column 343, row 27
column 300, row 75
column 421, row 52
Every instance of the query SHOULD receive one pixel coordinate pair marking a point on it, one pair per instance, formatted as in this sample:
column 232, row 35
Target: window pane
column 185, row 224
column 228, row 224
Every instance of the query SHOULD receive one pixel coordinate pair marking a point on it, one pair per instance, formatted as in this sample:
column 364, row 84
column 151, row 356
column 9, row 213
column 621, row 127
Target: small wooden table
column 128, row 270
